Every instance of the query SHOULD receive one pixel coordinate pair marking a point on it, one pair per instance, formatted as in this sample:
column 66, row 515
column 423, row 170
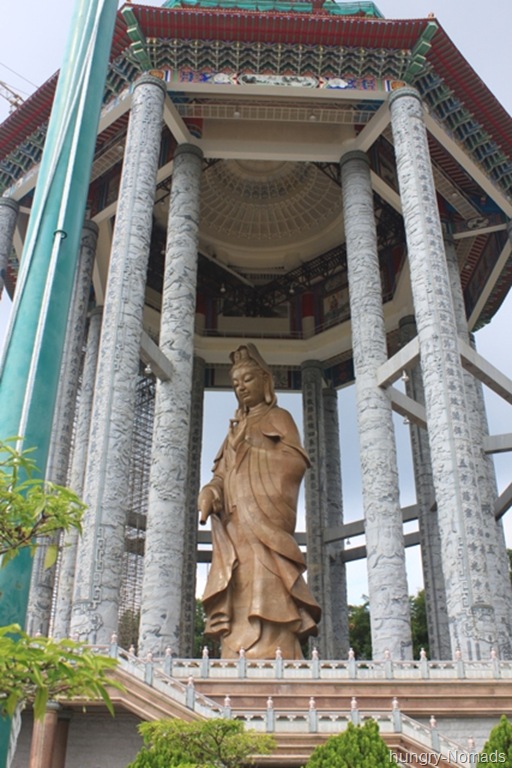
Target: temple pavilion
column 335, row 187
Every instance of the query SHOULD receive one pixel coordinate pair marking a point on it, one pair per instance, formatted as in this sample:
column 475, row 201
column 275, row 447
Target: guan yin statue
column 256, row 599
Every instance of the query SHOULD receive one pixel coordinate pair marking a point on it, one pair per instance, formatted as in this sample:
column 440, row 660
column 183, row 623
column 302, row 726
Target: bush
column 498, row 748
column 357, row 747
column 206, row 744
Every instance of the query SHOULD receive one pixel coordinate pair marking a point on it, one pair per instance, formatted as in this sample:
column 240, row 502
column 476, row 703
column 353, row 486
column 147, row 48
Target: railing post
column 190, row 698
column 459, row 664
column 148, row 669
column 352, row 669
column 312, row 716
column 205, row 662
column 354, row 712
column 434, row 735
column 496, row 666
column 397, row 715
column 315, row 664
column 168, row 662
column 242, row 663
column 279, row 663
column 226, row 709
column 270, row 721
column 388, row 665
column 472, row 752
column 424, row 664
column 114, row 648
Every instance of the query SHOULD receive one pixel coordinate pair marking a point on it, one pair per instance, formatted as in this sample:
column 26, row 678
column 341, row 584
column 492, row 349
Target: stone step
column 470, row 698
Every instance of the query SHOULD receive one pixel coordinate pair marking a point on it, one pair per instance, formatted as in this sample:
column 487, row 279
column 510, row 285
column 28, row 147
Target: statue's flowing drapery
column 256, row 597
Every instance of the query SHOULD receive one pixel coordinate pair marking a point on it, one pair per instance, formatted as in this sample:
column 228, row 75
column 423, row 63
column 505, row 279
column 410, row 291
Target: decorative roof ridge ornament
column 138, row 45
column 420, row 51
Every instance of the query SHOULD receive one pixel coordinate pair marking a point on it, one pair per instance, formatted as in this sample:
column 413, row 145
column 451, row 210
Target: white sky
column 34, row 35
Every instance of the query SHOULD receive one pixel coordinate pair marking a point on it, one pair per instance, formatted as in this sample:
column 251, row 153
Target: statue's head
column 251, row 377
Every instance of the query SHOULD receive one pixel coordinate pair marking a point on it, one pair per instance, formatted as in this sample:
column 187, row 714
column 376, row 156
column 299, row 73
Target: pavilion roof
column 296, row 26
column 417, row 50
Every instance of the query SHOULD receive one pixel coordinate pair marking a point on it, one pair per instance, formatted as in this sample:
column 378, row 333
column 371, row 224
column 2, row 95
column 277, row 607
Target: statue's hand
column 207, row 504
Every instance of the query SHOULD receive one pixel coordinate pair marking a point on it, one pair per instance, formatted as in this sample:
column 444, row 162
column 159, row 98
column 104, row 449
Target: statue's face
column 249, row 385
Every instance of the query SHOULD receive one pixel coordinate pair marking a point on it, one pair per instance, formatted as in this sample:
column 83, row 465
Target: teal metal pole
column 29, row 369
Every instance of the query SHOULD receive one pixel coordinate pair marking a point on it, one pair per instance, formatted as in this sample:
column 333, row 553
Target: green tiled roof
column 284, row 6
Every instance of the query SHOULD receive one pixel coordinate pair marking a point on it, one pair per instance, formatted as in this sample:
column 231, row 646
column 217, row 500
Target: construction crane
column 14, row 99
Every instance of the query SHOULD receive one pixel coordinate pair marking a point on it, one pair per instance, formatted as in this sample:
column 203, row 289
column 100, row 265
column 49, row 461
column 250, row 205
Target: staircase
column 304, row 704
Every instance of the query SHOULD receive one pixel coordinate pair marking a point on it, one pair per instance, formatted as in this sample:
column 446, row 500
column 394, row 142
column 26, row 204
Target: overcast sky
column 34, row 35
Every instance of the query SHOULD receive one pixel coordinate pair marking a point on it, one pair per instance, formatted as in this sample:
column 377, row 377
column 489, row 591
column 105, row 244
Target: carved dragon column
column 162, row 592
column 188, row 607
column 43, row 578
column 498, row 563
column 387, row 580
column 334, row 564
column 316, row 497
column 8, row 216
column 433, row 580
column 67, row 565
column 461, row 525
column 101, row 549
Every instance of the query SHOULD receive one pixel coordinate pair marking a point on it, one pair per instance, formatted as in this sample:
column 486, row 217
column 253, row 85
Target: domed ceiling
column 268, row 214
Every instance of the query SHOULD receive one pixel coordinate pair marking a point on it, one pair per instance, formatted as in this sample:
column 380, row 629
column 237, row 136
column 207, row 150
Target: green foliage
column 419, row 623
column 359, row 633
column 199, row 638
column 498, row 748
column 201, row 744
column 357, row 747
column 40, row 669
column 31, row 507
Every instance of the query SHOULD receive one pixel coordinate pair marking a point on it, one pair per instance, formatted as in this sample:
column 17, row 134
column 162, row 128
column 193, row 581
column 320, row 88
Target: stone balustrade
column 316, row 669
column 177, row 678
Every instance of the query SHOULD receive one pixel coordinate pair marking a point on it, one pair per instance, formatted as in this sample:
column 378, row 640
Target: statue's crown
column 241, row 355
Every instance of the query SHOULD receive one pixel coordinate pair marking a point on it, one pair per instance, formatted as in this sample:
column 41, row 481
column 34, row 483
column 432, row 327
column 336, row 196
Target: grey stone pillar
column 316, row 495
column 161, row 602
column 494, row 538
column 468, row 589
column 69, row 545
column 337, row 640
column 101, row 549
column 387, row 581
column 8, row 216
column 188, row 607
column 433, row 579
column 43, row 579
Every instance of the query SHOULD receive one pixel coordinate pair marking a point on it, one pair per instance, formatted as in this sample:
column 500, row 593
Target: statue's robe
column 256, row 597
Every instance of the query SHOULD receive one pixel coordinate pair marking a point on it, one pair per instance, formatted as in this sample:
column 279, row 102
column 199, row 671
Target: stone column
column 69, row 545
column 387, row 581
column 337, row 642
column 43, row 579
column 435, row 590
column 101, row 549
column 161, row 602
column 497, row 562
column 315, row 488
column 8, row 216
column 468, row 589
column 188, row 607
